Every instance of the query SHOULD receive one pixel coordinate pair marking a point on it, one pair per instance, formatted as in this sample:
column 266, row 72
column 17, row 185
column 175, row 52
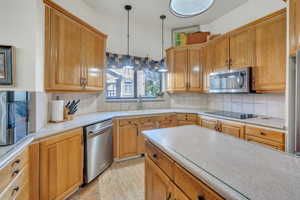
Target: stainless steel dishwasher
column 98, row 149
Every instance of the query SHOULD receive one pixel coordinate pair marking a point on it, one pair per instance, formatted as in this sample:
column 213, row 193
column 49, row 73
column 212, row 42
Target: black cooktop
column 235, row 115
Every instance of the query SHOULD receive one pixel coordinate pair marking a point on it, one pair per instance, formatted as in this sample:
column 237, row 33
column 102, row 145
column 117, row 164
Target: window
column 125, row 83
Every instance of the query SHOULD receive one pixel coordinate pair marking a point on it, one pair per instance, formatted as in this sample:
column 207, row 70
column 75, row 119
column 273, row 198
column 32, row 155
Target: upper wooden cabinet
column 294, row 29
column 242, row 48
column 74, row 52
column 185, row 69
column 269, row 71
column 249, row 46
column 220, row 51
column 61, row 165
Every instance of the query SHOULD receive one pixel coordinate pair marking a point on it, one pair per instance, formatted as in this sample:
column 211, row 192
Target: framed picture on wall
column 179, row 35
column 7, row 65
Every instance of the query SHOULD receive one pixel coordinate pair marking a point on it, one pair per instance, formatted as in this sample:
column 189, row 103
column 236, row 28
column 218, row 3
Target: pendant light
column 189, row 8
column 162, row 67
column 127, row 63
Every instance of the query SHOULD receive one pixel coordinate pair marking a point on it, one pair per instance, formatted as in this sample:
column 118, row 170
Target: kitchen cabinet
column 233, row 129
column 185, row 69
column 165, row 179
column 167, row 121
column 128, row 138
column 294, row 29
column 195, row 69
column 157, row 184
column 14, row 177
column 145, row 124
column 242, row 48
column 220, row 55
column 274, row 139
column 269, row 73
column 93, row 60
column 209, row 123
column 186, row 119
column 61, row 165
column 206, row 61
column 74, row 53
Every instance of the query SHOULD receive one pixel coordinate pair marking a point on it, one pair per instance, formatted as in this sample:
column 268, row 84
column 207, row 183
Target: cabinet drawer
column 12, row 169
column 124, row 122
column 209, row 123
column 161, row 159
column 14, row 189
column 193, row 187
column 181, row 117
column 265, row 134
column 186, row 117
column 275, row 145
column 191, row 117
column 166, row 118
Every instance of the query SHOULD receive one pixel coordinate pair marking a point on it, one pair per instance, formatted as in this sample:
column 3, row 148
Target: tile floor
column 122, row 181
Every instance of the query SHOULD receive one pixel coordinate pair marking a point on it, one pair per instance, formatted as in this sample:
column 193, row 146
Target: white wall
column 244, row 14
column 19, row 28
column 145, row 39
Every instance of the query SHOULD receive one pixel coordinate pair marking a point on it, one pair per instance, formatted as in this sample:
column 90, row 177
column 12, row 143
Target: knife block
column 67, row 117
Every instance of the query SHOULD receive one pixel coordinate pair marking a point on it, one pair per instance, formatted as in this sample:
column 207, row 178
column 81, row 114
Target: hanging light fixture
column 127, row 62
column 162, row 66
column 189, row 8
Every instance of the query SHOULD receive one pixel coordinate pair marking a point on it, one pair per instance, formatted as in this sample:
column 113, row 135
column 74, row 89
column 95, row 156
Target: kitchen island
column 230, row 168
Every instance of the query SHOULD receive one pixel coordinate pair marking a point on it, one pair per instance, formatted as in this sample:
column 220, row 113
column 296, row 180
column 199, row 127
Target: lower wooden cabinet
column 14, row 178
column 143, row 127
column 232, row 129
column 175, row 183
column 208, row 123
column 274, row 139
column 128, row 138
column 61, row 165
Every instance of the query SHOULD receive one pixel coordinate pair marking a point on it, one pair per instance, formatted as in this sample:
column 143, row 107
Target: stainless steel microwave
column 231, row 81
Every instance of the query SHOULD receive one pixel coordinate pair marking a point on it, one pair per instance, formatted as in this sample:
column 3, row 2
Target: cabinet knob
column 15, row 172
column 262, row 133
column 16, row 162
column 201, row 198
column 169, row 196
column 154, row 155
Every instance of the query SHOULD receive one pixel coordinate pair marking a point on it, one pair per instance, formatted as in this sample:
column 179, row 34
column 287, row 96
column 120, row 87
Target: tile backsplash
column 188, row 100
column 272, row 105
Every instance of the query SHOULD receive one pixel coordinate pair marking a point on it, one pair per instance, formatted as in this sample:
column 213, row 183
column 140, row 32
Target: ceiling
column 148, row 11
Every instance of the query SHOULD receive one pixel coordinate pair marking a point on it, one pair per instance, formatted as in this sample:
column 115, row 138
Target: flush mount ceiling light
column 189, row 8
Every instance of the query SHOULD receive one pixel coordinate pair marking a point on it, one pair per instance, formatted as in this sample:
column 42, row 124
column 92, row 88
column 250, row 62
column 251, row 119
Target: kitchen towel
column 57, row 110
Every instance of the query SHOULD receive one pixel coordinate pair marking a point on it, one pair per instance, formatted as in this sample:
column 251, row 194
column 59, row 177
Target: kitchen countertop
column 84, row 120
column 234, row 168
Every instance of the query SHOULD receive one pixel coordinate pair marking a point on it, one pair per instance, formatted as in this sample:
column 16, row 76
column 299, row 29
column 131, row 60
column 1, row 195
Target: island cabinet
column 74, row 52
column 274, row 139
column 61, row 165
column 15, row 179
column 165, row 179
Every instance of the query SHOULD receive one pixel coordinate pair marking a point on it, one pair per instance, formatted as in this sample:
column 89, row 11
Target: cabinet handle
column 169, row 196
column 201, row 198
column 262, row 133
column 16, row 162
column 15, row 172
column 14, row 190
column 154, row 155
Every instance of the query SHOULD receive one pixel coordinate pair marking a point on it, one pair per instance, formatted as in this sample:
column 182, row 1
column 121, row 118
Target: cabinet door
column 269, row 72
column 93, row 58
column 207, row 63
column 180, row 69
column 265, row 142
column 194, row 69
column 157, row 184
column 128, row 139
column 141, row 139
column 65, row 53
column 294, row 16
column 209, row 123
column 61, row 165
column 235, row 130
column 220, row 54
column 242, row 49
column 170, row 65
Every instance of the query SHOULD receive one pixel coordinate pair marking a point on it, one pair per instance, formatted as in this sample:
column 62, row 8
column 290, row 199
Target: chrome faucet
column 139, row 101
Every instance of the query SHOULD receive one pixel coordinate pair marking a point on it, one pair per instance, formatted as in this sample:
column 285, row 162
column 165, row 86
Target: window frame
column 135, row 89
